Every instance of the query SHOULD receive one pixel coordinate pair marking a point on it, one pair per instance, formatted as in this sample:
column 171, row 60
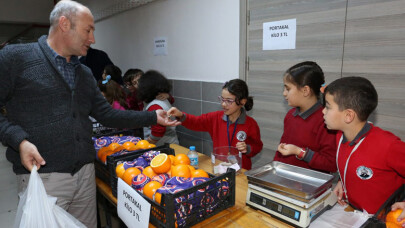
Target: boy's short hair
column 355, row 93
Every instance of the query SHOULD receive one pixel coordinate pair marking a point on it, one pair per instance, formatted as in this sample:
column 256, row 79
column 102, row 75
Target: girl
column 131, row 78
column 231, row 126
column 115, row 73
column 306, row 142
column 150, row 85
column 113, row 92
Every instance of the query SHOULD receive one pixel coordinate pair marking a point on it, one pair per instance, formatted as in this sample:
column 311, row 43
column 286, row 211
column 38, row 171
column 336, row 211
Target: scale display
column 276, row 207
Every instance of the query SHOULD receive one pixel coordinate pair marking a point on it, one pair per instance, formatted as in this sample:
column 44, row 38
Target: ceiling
column 25, row 20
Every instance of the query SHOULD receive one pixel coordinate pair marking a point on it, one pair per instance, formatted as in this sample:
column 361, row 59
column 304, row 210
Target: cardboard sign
column 278, row 35
column 132, row 208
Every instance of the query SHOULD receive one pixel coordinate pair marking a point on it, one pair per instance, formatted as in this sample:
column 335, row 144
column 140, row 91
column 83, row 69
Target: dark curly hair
column 151, row 84
column 240, row 90
column 115, row 73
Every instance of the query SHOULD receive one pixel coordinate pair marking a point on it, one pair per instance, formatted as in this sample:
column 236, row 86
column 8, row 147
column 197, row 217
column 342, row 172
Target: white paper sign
column 278, row 35
column 160, row 46
column 132, row 208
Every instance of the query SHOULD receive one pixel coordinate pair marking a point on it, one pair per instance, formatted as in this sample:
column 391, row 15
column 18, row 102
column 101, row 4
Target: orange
column 105, row 154
column 199, row 173
column 148, row 171
column 171, row 158
column 101, row 151
column 113, row 146
column 161, row 163
column 181, row 171
column 392, row 217
column 119, row 148
column 129, row 174
column 143, row 144
column 181, row 159
column 120, row 170
column 150, row 189
column 128, row 145
column 157, row 197
column 151, row 146
column 192, row 169
column 392, row 225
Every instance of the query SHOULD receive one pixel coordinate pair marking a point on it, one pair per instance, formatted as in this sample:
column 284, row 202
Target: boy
column 370, row 161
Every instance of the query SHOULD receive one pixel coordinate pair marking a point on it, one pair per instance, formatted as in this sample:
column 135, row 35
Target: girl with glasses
column 231, row 126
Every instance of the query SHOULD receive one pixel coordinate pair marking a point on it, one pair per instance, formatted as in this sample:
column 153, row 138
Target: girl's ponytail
column 249, row 104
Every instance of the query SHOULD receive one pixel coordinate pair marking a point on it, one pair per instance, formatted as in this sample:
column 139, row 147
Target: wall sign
column 278, row 35
column 132, row 208
column 160, row 46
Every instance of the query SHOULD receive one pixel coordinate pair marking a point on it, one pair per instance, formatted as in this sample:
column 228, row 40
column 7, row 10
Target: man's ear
column 64, row 24
column 349, row 115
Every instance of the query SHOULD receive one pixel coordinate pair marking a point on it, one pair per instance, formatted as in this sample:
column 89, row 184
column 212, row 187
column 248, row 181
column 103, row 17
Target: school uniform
column 371, row 167
column 224, row 133
column 308, row 131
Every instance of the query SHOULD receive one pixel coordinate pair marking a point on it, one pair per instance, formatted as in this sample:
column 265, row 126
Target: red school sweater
column 215, row 124
column 375, row 170
column 309, row 133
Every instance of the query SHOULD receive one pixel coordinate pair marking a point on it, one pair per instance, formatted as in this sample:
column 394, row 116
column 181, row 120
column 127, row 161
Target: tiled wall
column 198, row 97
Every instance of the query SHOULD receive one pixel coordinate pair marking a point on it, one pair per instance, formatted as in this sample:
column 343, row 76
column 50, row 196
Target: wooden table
column 239, row 215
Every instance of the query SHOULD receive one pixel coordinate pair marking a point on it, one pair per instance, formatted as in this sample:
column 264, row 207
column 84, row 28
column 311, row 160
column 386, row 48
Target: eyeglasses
column 227, row 101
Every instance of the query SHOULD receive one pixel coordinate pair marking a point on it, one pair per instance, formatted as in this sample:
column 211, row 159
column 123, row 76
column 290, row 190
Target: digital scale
column 293, row 194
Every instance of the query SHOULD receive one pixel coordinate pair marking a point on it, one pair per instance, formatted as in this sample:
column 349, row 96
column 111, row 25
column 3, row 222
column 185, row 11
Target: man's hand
column 242, row 147
column 288, row 149
column 338, row 190
column 164, row 120
column 30, row 156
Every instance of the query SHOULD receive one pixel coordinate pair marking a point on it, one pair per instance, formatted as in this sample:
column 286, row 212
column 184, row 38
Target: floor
column 8, row 191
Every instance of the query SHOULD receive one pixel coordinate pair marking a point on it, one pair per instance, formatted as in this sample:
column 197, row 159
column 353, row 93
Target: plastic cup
column 224, row 157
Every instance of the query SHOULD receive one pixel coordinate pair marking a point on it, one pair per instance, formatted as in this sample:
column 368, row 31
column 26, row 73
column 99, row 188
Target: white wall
column 203, row 38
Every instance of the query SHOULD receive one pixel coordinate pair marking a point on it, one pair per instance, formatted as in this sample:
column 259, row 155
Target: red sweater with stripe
column 216, row 126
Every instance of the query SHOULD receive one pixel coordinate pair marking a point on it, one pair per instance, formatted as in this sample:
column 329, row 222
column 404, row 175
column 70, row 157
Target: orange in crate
column 114, row 146
column 391, row 219
column 181, row 171
column 181, row 159
column 161, row 163
column 148, row 171
column 120, row 170
column 101, row 151
column 143, row 144
column 105, row 154
column 171, row 158
column 129, row 145
column 129, row 174
column 199, row 173
column 150, row 189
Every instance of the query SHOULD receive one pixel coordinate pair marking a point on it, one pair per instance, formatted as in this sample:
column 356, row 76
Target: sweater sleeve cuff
column 183, row 118
column 14, row 140
column 248, row 149
column 308, row 155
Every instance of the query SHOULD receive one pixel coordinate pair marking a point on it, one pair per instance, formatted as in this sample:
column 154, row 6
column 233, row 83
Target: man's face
column 333, row 117
column 81, row 36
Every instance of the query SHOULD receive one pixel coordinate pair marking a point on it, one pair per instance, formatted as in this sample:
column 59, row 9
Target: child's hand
column 242, row 147
column 399, row 205
column 288, row 149
column 173, row 111
column 338, row 190
column 162, row 96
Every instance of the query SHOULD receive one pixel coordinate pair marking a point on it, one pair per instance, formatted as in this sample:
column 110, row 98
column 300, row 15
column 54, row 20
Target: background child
column 131, row 78
column 371, row 161
column 115, row 73
column 232, row 122
column 306, row 142
column 113, row 92
column 151, row 84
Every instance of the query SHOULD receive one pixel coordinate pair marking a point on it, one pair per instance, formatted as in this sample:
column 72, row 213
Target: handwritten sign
column 160, row 46
column 278, row 35
column 132, row 208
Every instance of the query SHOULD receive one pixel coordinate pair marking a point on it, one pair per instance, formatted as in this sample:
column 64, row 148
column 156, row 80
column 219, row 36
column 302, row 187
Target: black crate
column 113, row 160
column 378, row 220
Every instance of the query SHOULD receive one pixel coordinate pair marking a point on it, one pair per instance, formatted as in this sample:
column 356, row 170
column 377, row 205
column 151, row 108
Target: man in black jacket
column 49, row 97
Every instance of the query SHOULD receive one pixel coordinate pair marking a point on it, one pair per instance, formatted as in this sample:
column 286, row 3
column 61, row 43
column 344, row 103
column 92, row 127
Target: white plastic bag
column 37, row 209
column 337, row 217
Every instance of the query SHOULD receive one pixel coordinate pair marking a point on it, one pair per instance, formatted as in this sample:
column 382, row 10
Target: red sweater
column 309, row 133
column 215, row 125
column 382, row 153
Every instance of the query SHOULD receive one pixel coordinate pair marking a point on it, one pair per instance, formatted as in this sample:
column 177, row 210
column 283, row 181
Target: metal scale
column 293, row 194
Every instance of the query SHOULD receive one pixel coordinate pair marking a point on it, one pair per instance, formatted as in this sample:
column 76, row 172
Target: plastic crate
column 378, row 220
column 112, row 162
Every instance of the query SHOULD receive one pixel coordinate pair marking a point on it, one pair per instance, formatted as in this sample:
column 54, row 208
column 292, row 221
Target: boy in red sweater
column 371, row 161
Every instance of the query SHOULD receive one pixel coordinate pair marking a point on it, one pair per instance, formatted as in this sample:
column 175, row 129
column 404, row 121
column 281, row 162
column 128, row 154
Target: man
column 49, row 97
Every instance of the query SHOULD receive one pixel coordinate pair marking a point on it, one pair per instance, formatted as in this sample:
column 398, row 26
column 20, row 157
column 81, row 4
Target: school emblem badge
column 364, row 173
column 241, row 136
